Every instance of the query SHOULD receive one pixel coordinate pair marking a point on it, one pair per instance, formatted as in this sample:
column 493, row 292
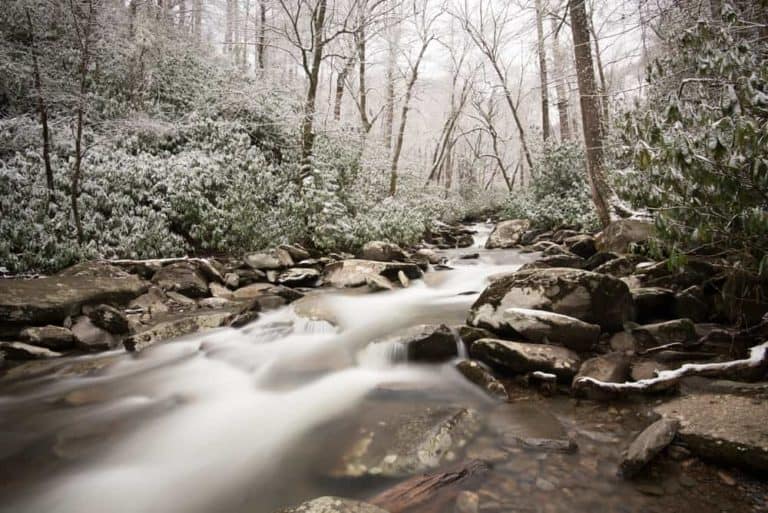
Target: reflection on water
column 251, row 420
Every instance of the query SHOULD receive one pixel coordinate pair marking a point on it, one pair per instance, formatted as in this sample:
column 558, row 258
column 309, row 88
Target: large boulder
column 653, row 303
column 536, row 326
column 618, row 235
column 299, row 277
column 263, row 261
column 182, row 277
column 521, row 358
column 587, row 296
column 507, row 234
column 90, row 337
column 176, row 327
column 354, row 272
column 110, row 319
column 562, row 260
column 381, row 251
column 681, row 331
column 330, row 504
column 725, row 428
column 51, row 300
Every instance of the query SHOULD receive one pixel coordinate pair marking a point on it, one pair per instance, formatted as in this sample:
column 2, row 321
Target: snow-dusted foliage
column 558, row 193
column 698, row 142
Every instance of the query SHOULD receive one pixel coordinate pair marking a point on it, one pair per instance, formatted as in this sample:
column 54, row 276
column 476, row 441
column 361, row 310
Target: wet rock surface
column 649, row 443
column 520, row 358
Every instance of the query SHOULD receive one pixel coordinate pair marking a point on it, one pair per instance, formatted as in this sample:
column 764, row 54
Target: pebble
column 544, row 485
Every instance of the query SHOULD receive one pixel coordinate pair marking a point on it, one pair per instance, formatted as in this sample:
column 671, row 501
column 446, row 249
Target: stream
column 255, row 419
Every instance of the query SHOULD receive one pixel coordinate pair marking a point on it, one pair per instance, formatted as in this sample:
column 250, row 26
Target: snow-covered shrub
column 558, row 193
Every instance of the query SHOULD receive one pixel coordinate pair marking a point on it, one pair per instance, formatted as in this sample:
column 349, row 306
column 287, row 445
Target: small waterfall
column 461, row 349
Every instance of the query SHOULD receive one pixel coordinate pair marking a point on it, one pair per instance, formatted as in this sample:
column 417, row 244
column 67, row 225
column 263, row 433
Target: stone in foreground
column 727, row 429
column 480, row 376
column 427, row 343
column 650, row 442
column 408, row 443
column 333, row 505
column 530, row 427
column 50, row 337
column 50, row 300
column 177, row 327
column 537, row 326
column 22, row 351
column 520, row 358
column 610, row 368
column 587, row 296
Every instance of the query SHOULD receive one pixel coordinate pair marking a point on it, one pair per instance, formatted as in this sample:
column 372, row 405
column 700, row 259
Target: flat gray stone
column 520, row 358
column 650, row 442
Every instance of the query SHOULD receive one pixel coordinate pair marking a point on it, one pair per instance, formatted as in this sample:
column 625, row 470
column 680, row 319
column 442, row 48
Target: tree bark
column 562, row 94
column 42, row 108
column 601, row 75
column 404, row 118
column 360, row 42
column 307, row 126
column 197, row 20
column 590, row 109
column 341, row 79
column 545, row 129
column 84, row 40
column 262, row 44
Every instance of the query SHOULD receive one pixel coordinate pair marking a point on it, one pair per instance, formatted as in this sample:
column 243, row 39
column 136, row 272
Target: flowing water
column 252, row 420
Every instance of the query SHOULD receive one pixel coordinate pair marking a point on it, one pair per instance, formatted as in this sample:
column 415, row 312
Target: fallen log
column 756, row 363
column 434, row 492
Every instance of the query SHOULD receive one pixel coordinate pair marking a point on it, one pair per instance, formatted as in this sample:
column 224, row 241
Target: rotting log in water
column 433, row 492
column 756, row 363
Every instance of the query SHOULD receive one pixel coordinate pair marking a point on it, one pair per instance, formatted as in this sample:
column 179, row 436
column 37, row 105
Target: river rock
column 623, row 342
column 299, row 277
column 381, row 251
column 263, row 261
column 426, row 343
column 531, row 427
column 377, row 283
column 725, row 428
column 619, row 267
column 565, row 260
column 620, row 234
column 427, row 255
column 598, row 259
column 469, row 334
column 219, row 291
column 90, row 337
column 650, row 442
column 232, row 280
column 408, row 443
column 110, row 319
column 536, row 326
column 330, row 504
column 353, row 272
column 51, row 300
column 296, row 252
column 480, row 376
column 646, row 369
column 507, row 234
column 22, row 351
column 587, row 296
column 520, row 358
column 582, row 245
column 182, row 277
column 691, row 304
column 610, row 368
column 653, row 303
column 50, row 337
column 681, row 331
column 176, row 327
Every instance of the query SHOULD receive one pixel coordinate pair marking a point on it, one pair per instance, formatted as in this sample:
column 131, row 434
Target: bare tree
column 560, row 81
column 83, row 35
column 42, row 107
column 590, row 109
column 541, row 50
column 488, row 35
column 423, row 21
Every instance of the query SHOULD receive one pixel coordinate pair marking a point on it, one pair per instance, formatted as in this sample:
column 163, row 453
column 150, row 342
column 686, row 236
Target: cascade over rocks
column 507, row 234
column 426, row 343
column 587, row 296
column 536, row 326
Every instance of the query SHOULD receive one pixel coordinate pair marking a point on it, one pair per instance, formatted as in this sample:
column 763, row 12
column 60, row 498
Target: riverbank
column 352, row 393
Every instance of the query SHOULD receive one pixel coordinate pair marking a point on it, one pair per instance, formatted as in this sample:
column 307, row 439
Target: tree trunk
column 601, row 75
column 197, row 20
column 228, row 27
column 84, row 40
column 341, row 79
column 261, row 45
column 562, row 94
column 542, row 70
column 361, row 63
column 307, row 126
column 42, row 109
column 404, row 119
column 590, row 109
